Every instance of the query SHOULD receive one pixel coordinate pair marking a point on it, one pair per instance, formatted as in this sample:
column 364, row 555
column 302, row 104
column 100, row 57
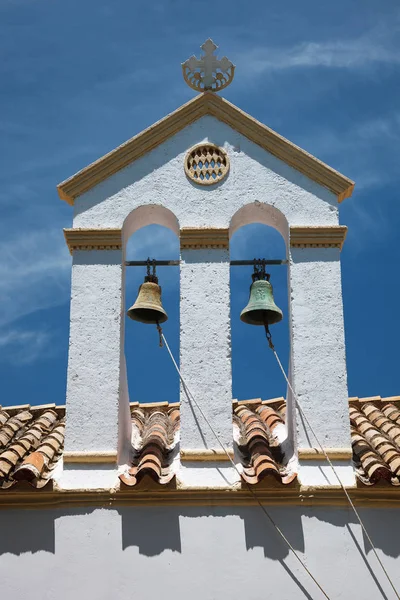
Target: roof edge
column 132, row 149
column 292, row 494
column 206, row 103
column 281, row 147
column 36, row 409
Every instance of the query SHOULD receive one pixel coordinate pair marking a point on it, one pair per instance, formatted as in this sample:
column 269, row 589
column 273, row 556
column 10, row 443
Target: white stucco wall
column 205, row 347
column 93, row 380
column 317, row 345
column 159, row 178
column 205, row 553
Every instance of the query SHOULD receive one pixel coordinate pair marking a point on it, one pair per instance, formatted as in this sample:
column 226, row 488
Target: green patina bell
column 261, row 308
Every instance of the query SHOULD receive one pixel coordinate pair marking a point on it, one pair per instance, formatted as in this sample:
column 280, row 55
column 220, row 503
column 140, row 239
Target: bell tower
column 204, row 171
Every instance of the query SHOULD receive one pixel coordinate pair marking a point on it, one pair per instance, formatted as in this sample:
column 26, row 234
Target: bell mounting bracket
column 259, row 271
column 151, row 271
column 176, row 263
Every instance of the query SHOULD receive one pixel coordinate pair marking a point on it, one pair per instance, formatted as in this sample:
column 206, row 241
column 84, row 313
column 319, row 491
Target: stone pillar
column 205, row 354
column 94, row 414
column 318, row 360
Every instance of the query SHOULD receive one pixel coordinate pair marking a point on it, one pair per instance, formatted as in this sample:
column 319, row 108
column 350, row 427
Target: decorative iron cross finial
column 208, row 72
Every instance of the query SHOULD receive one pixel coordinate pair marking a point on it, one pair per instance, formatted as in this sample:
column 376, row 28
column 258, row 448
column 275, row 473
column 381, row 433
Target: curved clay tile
column 391, row 412
column 31, row 442
column 12, row 426
column 38, row 465
column 153, row 451
column 370, row 467
column 379, row 442
column 258, row 447
column 33, row 449
column 381, row 422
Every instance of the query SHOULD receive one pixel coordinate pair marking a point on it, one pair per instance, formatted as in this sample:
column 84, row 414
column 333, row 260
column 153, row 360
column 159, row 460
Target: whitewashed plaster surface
column 159, row 178
column 318, row 353
column 95, row 476
column 320, row 473
column 94, row 360
column 201, row 553
column 208, row 475
column 154, row 189
column 205, row 347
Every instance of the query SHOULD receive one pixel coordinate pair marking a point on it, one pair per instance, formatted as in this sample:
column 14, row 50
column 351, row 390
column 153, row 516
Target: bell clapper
column 269, row 336
column 160, row 333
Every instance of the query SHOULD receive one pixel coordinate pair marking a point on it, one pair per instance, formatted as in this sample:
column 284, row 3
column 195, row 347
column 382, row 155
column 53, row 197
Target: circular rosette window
column 206, row 164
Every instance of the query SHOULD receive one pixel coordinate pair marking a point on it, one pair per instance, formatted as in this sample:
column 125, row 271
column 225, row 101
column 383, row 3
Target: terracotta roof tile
column 32, row 438
column 259, row 442
column 155, row 440
column 31, row 443
column 376, row 440
column 154, row 443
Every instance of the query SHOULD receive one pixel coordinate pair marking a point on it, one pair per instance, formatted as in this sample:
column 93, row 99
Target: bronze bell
column 261, row 308
column 148, row 307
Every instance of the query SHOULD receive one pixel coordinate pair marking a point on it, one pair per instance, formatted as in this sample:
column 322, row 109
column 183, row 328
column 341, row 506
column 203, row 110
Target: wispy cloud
column 23, row 347
column 374, row 48
column 367, row 152
column 385, row 128
column 363, row 152
column 34, row 273
column 39, row 165
column 339, row 54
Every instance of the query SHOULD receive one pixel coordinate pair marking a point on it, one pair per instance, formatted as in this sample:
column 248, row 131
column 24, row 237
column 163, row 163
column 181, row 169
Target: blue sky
column 79, row 78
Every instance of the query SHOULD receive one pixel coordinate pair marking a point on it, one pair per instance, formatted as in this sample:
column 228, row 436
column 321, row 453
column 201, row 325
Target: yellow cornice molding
column 131, row 150
column 374, row 496
column 90, row 457
column 330, row 236
column 205, row 455
column 317, row 454
column 93, row 239
column 213, row 105
column 198, row 237
column 280, row 147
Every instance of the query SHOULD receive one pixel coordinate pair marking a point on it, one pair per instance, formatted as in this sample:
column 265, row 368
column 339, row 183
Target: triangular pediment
column 211, row 104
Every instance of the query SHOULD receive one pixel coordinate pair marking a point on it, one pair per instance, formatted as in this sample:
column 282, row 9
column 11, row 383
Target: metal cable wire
column 335, row 472
column 190, row 397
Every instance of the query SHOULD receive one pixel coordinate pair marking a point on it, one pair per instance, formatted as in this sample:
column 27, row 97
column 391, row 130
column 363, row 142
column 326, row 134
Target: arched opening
column 258, row 231
column 152, row 231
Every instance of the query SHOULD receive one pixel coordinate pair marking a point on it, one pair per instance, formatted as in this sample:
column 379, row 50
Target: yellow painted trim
column 318, row 237
column 374, row 399
column 317, row 454
column 93, row 239
column 17, row 408
column 199, row 237
column 161, row 404
column 205, row 104
column 378, row 497
column 205, row 455
column 250, row 402
column 90, row 457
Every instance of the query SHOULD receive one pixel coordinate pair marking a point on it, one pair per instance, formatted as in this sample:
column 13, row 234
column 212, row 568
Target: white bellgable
column 203, row 171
